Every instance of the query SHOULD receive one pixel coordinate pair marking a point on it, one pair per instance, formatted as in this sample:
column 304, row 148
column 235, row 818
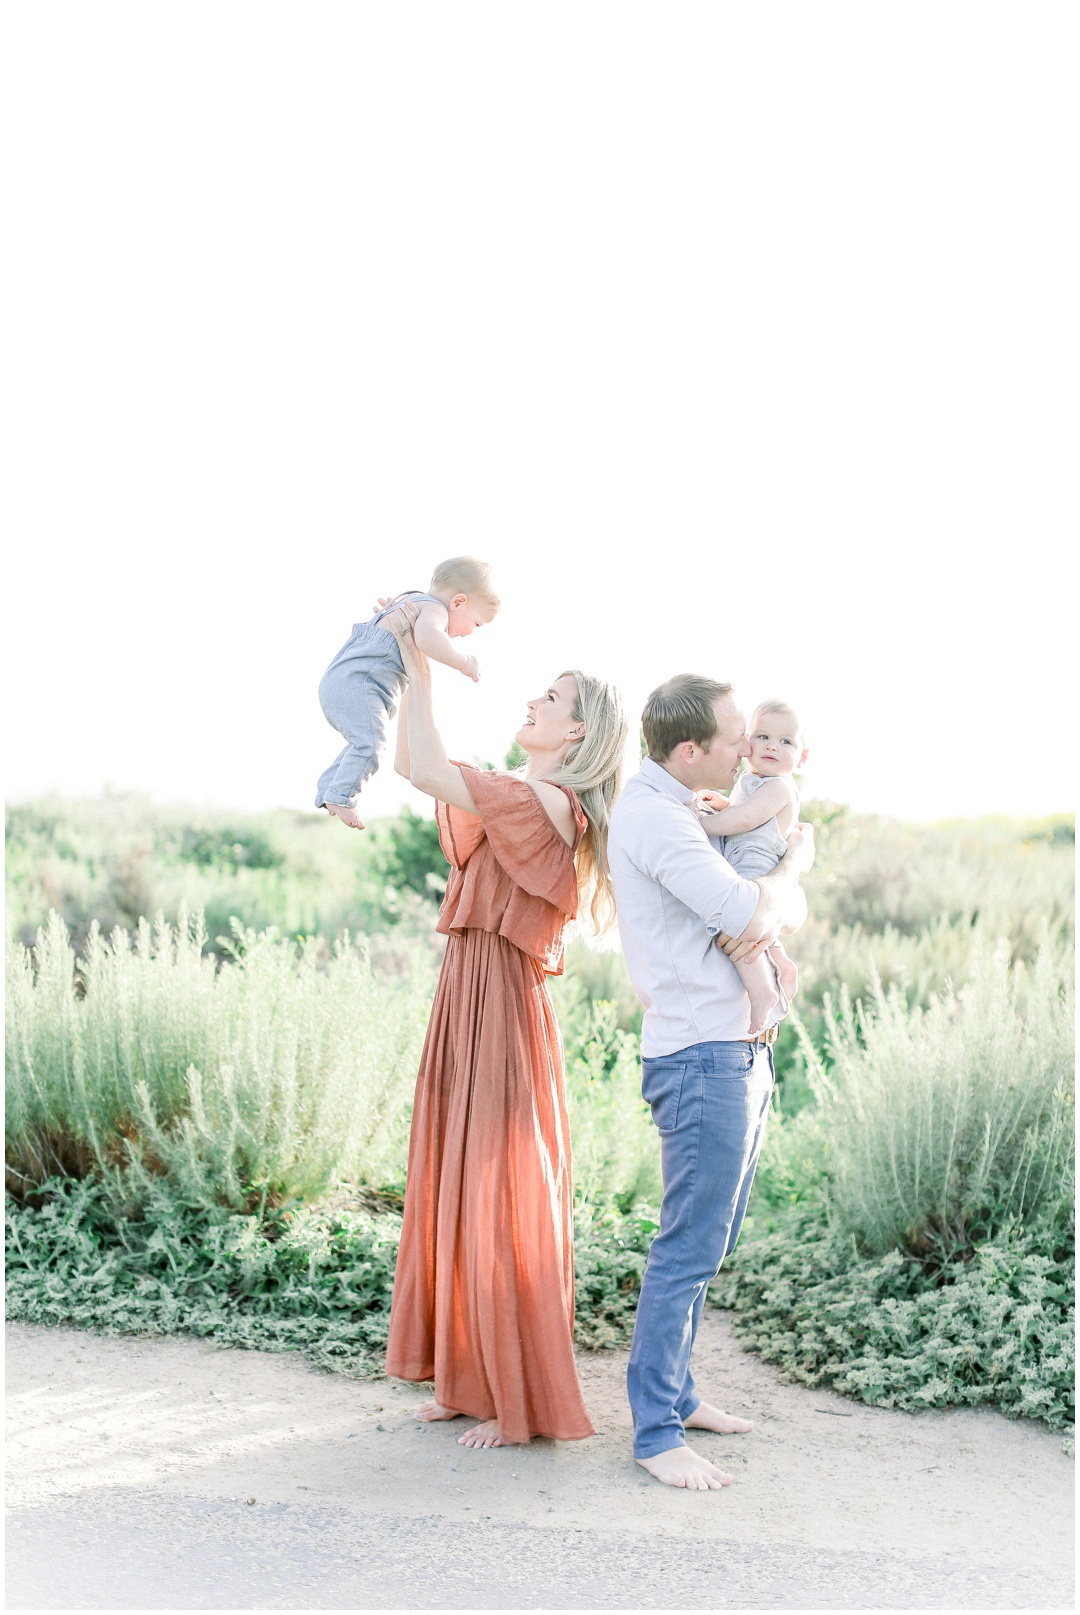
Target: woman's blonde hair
column 593, row 771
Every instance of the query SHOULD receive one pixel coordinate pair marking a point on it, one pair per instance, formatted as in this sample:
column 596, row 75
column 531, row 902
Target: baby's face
column 776, row 745
column 466, row 615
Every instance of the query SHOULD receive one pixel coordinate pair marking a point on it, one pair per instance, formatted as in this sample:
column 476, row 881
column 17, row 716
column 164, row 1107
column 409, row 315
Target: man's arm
column 435, row 643
column 781, row 905
column 769, row 800
column 676, row 855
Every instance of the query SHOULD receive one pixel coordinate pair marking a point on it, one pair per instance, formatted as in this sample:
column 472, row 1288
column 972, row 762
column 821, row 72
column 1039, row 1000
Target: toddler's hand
column 713, row 799
column 470, row 669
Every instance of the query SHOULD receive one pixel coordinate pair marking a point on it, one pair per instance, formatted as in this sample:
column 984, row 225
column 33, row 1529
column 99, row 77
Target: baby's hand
column 712, row 799
column 470, row 669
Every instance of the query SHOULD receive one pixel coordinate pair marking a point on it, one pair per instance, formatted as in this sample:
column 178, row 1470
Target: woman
column 484, row 1290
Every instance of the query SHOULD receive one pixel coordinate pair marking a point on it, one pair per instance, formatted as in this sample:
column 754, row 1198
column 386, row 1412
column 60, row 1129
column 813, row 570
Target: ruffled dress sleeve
column 511, row 871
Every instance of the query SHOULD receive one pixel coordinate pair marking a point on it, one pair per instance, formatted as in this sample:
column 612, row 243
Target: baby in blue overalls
column 360, row 688
column 755, row 822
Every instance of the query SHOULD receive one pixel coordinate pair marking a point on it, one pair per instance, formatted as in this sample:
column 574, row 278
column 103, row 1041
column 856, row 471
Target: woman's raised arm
column 421, row 754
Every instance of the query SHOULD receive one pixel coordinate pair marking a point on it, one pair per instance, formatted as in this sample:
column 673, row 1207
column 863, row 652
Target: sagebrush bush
column 257, row 1081
column 945, row 1123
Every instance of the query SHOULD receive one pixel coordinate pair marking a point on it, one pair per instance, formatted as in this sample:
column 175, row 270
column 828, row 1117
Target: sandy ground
column 167, row 1474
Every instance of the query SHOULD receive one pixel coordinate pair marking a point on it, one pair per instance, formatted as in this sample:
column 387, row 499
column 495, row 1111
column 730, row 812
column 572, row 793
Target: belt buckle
column 767, row 1038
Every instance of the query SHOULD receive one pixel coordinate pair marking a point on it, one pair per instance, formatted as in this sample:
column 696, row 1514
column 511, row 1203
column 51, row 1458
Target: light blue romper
column 358, row 694
column 753, row 852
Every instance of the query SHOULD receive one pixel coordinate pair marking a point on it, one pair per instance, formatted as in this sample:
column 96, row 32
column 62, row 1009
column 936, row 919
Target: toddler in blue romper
column 360, row 689
column 755, row 822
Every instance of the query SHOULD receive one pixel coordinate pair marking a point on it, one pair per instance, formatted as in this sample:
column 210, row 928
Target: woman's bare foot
column 681, row 1466
column 706, row 1417
column 484, row 1435
column 430, row 1411
column 347, row 815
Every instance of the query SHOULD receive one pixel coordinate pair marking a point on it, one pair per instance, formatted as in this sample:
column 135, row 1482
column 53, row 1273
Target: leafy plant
column 996, row 1328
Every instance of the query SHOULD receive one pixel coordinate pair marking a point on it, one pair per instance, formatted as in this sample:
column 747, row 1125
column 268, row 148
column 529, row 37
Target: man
column 708, row 1085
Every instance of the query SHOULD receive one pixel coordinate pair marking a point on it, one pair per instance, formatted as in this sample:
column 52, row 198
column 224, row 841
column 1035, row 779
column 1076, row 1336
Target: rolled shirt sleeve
column 685, row 862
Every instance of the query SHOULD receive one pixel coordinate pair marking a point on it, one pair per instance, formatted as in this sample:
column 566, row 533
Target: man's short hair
column 681, row 709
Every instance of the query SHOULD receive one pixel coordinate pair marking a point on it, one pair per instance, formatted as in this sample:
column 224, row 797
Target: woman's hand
column 402, row 622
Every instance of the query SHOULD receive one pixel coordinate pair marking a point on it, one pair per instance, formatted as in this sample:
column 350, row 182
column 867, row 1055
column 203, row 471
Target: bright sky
column 736, row 337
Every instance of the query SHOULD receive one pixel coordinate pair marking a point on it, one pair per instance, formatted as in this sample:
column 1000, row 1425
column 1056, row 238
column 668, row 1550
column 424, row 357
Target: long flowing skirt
column 484, row 1291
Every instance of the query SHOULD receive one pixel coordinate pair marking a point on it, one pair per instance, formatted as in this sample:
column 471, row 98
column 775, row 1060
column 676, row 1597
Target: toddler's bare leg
column 787, row 971
column 759, row 979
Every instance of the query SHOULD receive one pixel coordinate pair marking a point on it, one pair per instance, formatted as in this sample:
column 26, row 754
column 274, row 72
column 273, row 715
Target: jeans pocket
column 661, row 1089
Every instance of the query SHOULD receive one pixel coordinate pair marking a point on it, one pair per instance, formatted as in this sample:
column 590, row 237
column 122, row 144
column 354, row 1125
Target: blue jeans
column 709, row 1103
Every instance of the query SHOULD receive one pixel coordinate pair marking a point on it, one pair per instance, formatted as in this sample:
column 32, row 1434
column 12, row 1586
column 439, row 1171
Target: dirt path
column 131, row 1464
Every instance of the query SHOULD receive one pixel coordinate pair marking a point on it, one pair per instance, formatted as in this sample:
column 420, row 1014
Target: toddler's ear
column 802, row 759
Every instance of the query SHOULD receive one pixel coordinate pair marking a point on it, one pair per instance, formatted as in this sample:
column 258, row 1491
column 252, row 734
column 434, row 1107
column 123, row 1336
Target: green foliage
column 229, row 847
column 412, row 856
column 304, row 1280
column 944, row 1124
column 186, row 1113
column 122, row 858
column 996, row 1328
column 313, row 1279
column 252, row 1083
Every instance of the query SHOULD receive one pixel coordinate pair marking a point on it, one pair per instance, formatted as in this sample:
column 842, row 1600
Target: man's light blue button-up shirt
column 674, row 893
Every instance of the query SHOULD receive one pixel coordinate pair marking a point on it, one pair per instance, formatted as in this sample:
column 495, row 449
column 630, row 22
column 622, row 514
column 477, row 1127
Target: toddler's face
column 466, row 615
column 776, row 745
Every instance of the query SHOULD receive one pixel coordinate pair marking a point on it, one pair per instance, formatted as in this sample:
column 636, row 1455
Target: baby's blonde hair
column 463, row 574
column 783, row 710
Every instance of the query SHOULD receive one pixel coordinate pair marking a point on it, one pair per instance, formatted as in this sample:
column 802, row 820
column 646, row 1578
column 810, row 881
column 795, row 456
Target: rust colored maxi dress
column 484, row 1290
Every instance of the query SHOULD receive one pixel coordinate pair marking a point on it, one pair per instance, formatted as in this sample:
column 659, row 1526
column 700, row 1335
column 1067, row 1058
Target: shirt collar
column 656, row 776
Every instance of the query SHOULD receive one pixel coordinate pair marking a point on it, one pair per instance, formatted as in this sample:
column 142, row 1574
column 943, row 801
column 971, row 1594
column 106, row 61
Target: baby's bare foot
column 763, row 1002
column 787, row 972
column 430, row 1411
column 484, row 1435
column 681, row 1466
column 347, row 815
column 706, row 1417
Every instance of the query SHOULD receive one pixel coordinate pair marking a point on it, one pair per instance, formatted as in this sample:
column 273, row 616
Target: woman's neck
column 542, row 764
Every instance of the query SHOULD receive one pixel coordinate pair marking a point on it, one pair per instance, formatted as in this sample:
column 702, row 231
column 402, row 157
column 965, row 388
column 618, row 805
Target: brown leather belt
column 767, row 1037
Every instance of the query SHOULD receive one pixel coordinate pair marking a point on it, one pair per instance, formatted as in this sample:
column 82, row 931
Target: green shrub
column 945, row 1124
column 315, row 1279
column 254, row 1082
column 311, row 1281
column 996, row 1328
column 412, row 855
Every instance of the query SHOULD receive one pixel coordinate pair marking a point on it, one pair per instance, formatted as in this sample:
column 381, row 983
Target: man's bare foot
column 484, row 1435
column 347, row 815
column 430, row 1411
column 681, row 1466
column 706, row 1417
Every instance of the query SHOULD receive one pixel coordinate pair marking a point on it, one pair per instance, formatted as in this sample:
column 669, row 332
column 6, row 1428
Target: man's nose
column 744, row 747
